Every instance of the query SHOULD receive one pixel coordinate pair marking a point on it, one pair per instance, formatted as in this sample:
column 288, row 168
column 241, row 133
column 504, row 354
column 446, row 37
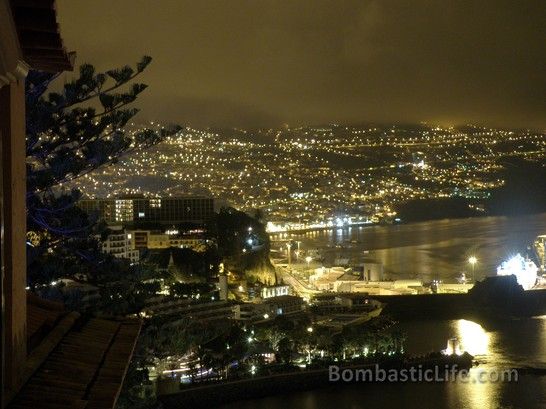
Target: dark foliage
column 70, row 133
column 232, row 230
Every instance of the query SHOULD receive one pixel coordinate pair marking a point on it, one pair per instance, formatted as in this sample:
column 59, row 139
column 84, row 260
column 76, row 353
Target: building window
column 123, row 210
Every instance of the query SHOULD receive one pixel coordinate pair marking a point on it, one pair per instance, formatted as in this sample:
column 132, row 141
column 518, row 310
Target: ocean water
column 430, row 250
column 501, row 345
column 438, row 250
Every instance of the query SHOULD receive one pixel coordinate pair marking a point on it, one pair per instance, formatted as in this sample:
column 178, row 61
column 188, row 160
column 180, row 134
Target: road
column 298, row 286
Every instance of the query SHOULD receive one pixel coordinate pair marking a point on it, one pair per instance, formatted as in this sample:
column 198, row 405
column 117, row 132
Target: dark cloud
column 268, row 62
column 196, row 111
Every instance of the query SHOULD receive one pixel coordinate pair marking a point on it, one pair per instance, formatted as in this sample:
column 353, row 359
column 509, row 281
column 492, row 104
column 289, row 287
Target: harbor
column 445, row 256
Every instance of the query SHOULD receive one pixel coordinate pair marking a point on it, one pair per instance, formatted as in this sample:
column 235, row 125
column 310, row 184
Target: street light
column 288, row 246
column 473, row 260
column 308, row 259
column 309, row 330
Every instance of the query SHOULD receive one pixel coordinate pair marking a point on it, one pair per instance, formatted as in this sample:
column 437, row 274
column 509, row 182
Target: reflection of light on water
column 543, row 336
column 478, row 394
column 474, row 339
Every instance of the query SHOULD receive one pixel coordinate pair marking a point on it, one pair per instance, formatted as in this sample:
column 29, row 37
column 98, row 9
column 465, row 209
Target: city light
column 473, row 260
column 170, row 244
column 308, row 259
column 524, row 270
column 312, row 187
column 472, row 337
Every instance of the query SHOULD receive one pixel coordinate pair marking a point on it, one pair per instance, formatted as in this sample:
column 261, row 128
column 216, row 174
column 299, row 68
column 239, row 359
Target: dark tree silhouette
column 70, row 133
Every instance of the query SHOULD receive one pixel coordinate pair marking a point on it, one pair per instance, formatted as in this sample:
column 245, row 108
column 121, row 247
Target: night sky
column 266, row 63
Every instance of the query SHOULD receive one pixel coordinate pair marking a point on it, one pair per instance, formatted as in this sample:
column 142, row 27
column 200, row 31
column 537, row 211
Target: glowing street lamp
column 473, row 260
column 289, row 246
column 310, row 331
column 308, row 259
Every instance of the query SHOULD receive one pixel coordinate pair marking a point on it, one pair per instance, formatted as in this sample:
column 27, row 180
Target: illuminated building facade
column 168, row 211
column 148, row 239
column 275, row 291
column 120, row 245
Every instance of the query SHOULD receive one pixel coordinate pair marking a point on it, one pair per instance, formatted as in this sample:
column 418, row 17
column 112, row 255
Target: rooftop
column 74, row 362
column 39, row 35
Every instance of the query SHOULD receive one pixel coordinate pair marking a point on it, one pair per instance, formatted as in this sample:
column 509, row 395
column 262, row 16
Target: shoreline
column 405, row 223
column 436, row 249
column 324, row 228
column 171, row 395
column 214, row 394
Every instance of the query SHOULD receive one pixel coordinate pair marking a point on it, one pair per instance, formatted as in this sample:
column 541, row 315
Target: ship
column 540, row 249
column 523, row 269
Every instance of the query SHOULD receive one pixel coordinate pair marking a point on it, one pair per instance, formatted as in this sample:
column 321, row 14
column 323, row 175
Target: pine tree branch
column 112, row 88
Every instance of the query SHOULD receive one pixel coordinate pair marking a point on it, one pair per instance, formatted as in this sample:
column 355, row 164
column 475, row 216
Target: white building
column 324, row 279
column 372, row 271
column 275, row 291
column 119, row 244
column 149, row 239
